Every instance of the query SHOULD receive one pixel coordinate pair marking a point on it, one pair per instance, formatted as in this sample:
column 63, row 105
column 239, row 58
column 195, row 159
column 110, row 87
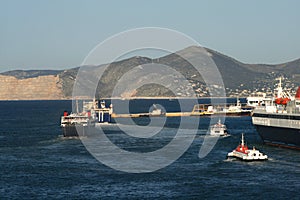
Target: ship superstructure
column 277, row 120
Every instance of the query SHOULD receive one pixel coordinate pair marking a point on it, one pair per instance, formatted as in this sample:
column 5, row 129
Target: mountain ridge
column 239, row 78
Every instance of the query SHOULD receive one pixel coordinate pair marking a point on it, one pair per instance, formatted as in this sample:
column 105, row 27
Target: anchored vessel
column 277, row 120
column 244, row 153
column 222, row 109
column 80, row 123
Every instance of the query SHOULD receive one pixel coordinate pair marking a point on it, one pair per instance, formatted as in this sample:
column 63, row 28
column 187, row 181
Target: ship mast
column 280, row 92
column 243, row 143
column 279, row 88
column 75, row 106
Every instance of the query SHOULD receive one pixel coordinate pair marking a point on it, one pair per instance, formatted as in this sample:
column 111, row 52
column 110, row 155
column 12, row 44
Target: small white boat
column 242, row 152
column 156, row 111
column 218, row 129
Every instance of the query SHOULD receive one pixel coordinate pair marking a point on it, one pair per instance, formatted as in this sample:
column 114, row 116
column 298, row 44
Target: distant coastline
column 239, row 79
column 119, row 98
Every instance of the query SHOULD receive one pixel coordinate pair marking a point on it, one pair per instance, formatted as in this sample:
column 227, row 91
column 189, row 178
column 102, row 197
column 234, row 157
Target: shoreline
column 119, row 98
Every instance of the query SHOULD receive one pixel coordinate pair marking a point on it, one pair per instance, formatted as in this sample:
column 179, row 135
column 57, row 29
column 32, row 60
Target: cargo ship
column 277, row 119
column 81, row 123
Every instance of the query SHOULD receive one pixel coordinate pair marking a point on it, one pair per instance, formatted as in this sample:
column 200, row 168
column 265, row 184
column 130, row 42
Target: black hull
column 227, row 114
column 277, row 136
column 76, row 131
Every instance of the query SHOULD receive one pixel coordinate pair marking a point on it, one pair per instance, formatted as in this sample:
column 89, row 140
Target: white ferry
column 277, row 120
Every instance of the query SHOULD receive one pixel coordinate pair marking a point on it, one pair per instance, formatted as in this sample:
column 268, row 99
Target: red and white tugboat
column 242, row 152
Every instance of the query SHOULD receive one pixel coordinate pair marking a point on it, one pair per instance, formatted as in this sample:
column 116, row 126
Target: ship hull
column 76, row 131
column 230, row 114
column 278, row 136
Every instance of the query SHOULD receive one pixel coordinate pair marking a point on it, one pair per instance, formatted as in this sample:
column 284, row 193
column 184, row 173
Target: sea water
column 36, row 162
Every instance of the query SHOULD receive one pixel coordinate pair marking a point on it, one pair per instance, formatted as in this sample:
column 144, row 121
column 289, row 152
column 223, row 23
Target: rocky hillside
column 46, row 87
column 240, row 79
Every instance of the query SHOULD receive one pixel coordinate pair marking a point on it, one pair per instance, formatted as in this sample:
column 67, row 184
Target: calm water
column 36, row 162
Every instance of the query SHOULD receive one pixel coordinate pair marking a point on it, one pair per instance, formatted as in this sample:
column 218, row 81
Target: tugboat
column 218, row 129
column 242, row 152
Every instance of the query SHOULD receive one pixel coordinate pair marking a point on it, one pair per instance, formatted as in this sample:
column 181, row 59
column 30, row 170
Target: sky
column 58, row 34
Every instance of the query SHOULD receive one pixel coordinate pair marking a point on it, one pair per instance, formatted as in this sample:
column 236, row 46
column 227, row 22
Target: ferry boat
column 80, row 123
column 76, row 124
column 244, row 153
column 277, row 120
column 218, row 129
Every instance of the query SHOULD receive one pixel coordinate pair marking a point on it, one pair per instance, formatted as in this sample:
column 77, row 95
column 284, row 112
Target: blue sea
column 36, row 162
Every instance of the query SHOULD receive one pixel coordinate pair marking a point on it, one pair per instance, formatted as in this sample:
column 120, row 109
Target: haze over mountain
column 239, row 79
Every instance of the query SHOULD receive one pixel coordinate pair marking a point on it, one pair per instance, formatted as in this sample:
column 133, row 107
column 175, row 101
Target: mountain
column 21, row 74
column 239, row 79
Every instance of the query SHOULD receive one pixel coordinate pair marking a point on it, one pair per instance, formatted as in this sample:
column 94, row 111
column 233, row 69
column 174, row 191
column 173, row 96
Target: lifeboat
column 282, row 101
column 298, row 93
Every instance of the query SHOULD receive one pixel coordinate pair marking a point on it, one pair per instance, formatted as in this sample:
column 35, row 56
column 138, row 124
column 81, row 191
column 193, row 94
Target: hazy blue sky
column 58, row 34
